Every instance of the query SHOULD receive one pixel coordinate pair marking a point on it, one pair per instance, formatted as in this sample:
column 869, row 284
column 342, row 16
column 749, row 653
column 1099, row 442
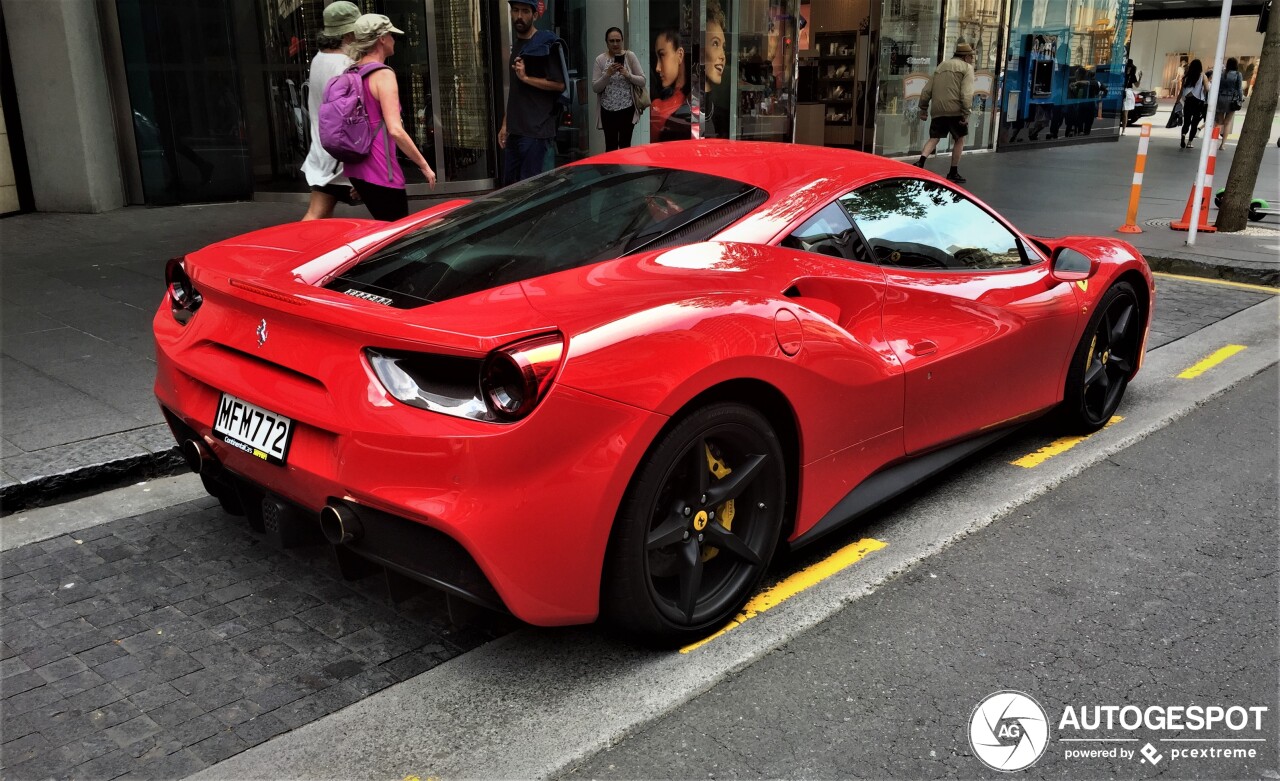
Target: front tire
column 697, row 527
column 1104, row 361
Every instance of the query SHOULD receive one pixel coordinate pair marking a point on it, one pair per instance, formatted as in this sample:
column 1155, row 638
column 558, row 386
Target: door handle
column 923, row 347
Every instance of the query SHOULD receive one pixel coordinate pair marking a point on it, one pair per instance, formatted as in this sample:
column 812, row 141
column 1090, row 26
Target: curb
column 54, row 489
column 1194, row 266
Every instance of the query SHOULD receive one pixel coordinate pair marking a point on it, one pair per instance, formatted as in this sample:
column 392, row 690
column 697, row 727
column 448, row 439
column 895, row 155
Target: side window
column 828, row 232
column 911, row 223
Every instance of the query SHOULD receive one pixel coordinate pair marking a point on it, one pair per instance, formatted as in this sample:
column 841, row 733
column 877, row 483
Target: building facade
column 155, row 102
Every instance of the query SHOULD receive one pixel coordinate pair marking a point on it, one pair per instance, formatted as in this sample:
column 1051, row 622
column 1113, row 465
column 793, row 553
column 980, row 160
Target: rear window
column 567, row 218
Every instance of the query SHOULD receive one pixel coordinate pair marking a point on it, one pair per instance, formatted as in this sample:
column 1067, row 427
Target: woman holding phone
column 617, row 70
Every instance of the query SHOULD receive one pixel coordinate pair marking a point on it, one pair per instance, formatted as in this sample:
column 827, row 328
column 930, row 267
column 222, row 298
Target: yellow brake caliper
column 724, row 513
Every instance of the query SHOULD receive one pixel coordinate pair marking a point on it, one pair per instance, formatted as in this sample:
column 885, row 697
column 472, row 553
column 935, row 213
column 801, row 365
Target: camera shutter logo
column 1008, row 731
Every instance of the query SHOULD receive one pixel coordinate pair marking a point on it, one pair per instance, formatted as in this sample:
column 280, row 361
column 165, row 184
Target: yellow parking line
column 1242, row 285
column 794, row 584
column 1211, row 361
column 1057, row 447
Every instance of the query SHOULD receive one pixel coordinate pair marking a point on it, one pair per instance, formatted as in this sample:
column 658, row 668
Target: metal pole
column 1211, row 107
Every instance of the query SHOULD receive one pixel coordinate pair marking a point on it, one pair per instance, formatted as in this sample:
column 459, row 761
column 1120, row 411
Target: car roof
column 776, row 168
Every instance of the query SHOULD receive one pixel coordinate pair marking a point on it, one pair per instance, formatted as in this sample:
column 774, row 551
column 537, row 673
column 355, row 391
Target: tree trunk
column 1255, row 135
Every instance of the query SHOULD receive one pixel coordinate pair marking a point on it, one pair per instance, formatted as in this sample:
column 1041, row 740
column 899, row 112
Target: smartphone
column 619, row 58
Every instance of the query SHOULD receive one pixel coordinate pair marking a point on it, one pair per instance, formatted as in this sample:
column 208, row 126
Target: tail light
column 183, row 297
column 514, row 379
column 502, row 388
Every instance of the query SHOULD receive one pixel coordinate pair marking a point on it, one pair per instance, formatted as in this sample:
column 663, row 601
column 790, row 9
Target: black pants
column 1193, row 113
column 617, row 128
column 385, row 203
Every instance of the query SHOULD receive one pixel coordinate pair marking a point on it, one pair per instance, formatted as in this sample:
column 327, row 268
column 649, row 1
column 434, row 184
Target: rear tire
column 689, row 547
column 1104, row 361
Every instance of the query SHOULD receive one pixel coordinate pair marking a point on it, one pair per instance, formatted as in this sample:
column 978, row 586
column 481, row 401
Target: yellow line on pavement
column 1211, row 361
column 1057, row 447
column 1242, row 285
column 794, row 584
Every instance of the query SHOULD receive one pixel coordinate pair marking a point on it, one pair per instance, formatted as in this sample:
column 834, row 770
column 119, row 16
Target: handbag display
column 641, row 97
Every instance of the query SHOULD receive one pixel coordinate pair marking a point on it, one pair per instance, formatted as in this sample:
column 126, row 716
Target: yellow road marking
column 1242, row 285
column 1211, row 361
column 794, row 584
column 1057, row 447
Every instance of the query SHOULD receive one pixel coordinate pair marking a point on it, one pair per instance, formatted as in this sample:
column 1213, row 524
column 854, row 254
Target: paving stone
column 175, row 713
column 237, row 712
column 95, row 698
column 260, row 729
column 63, row 725
column 345, row 668
column 408, row 665
column 100, row 654
column 331, row 622
column 280, row 694
column 11, row 666
column 122, row 629
column 119, row 668
column 82, row 750
column 145, row 639
column 46, row 653
column 107, row 766
column 155, row 697
column 109, row 716
column 214, row 697
column 192, row 731
column 61, row 669
column 271, row 653
column 314, row 706
column 219, row 747
column 83, row 642
column 15, row 752
column 179, row 764
column 373, row 679
column 132, row 731
column 80, row 682
column 30, row 700
column 21, row 682
column 139, row 681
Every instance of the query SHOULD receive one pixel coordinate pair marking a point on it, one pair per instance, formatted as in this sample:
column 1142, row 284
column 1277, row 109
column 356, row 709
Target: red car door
column 980, row 327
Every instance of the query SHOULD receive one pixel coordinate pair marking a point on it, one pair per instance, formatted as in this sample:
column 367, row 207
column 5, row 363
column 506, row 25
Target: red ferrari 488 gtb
column 615, row 389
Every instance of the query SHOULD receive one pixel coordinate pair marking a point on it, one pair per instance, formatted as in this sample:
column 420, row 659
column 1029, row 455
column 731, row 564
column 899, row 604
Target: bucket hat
column 340, row 18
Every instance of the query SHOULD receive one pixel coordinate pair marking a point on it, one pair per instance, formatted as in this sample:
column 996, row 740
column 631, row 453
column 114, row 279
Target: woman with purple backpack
column 377, row 176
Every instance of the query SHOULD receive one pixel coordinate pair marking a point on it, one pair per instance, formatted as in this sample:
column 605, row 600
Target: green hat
column 340, row 18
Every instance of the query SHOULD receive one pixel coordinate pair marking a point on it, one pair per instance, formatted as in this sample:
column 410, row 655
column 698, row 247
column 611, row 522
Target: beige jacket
column 950, row 91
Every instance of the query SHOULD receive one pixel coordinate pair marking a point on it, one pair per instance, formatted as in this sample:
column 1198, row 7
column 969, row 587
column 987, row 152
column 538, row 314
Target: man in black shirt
column 538, row 70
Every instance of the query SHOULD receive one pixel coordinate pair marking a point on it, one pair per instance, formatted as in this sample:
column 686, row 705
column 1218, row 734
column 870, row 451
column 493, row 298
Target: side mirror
column 1071, row 265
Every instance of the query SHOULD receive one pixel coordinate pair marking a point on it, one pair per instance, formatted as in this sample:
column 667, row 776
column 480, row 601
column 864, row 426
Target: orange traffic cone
column 1205, row 200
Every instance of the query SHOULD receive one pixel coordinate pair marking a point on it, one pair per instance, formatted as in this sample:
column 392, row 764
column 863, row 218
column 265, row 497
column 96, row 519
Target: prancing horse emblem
column 262, row 332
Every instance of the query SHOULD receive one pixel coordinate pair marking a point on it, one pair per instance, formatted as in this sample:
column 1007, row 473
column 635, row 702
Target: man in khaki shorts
column 950, row 91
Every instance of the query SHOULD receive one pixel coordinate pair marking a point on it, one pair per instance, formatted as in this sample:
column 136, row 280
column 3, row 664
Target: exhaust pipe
column 198, row 457
column 339, row 524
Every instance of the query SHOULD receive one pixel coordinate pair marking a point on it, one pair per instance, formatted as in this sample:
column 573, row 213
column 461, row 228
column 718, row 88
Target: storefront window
column 1065, row 71
column 763, row 39
column 978, row 23
column 181, row 68
column 465, row 88
column 910, row 50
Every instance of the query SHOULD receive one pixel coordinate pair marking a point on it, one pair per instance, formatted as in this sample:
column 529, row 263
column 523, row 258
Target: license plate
column 258, row 432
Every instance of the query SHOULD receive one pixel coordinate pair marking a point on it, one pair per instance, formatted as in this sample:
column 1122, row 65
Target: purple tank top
column 381, row 166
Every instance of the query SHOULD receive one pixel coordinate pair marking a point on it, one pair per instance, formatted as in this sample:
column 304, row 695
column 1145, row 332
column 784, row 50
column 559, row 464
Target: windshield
column 569, row 217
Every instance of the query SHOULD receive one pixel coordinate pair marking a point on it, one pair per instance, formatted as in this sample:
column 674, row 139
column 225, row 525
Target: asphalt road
column 1149, row 579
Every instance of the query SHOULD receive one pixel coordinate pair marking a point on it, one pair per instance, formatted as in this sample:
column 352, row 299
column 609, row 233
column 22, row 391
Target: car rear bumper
column 529, row 506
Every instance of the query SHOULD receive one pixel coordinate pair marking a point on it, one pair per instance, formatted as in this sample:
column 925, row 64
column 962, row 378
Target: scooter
column 1258, row 208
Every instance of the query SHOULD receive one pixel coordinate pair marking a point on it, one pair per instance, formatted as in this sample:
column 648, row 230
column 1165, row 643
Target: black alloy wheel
column 1104, row 360
column 697, row 528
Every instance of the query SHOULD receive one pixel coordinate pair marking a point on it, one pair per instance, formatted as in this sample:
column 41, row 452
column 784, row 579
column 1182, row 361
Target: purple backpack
column 345, row 130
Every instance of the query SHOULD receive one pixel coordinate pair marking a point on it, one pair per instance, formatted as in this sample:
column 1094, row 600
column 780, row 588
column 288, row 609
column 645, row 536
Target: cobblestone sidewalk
column 160, row 644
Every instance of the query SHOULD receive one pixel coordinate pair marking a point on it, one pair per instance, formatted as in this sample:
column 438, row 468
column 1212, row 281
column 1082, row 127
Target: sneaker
column 1182, row 142
column 957, row 178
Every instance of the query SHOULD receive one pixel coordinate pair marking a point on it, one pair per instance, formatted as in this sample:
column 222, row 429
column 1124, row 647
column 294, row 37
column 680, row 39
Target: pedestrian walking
column 1195, row 89
column 617, row 74
column 950, row 93
column 378, row 176
column 324, row 174
column 1230, row 99
column 529, row 124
